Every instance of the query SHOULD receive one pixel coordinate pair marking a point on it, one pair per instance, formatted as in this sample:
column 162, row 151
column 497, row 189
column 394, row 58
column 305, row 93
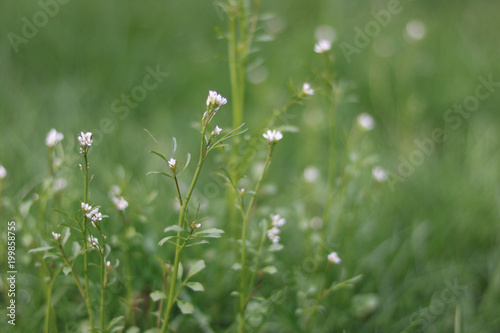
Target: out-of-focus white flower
column 322, row 46
column 334, row 258
column 57, row 163
column 216, row 130
column 379, row 174
column 273, row 136
column 171, row 163
column 306, row 88
column 311, row 174
column 278, row 221
column 273, row 233
column 120, row 203
column 325, row 32
column 59, row 184
column 215, row 99
column 3, row 172
column 195, row 225
column 316, row 223
column 94, row 215
column 415, row 30
column 115, row 191
column 86, row 207
column 366, row 122
column 56, row 236
column 53, row 138
column 108, row 264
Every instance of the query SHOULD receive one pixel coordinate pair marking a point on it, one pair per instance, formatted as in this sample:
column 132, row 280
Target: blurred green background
column 409, row 239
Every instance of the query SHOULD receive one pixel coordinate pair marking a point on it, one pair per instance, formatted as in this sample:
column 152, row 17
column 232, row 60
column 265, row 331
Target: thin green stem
column 321, row 293
column 48, row 306
column 243, row 239
column 103, row 266
column 179, row 248
column 233, row 67
column 251, row 287
column 84, row 234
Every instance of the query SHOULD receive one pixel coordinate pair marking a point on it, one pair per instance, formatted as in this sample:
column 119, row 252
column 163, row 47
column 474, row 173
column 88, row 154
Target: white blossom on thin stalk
column 366, row 122
column 86, row 207
column 306, row 89
column 278, row 221
column 171, row 163
column 94, row 242
column 3, row 172
column 60, row 184
column 379, row 174
column 108, row 264
column 94, row 215
column 272, row 136
column 334, row 258
column 120, row 203
column 56, row 236
column 322, row 46
column 85, row 140
column 273, row 233
column 53, row 138
column 216, row 131
column 215, row 99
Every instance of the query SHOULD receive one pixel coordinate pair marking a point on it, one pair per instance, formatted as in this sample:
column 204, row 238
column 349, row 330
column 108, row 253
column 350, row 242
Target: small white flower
column 379, row 174
column 120, row 203
column 334, row 258
column 273, row 233
column 59, row 184
column 366, row 122
column 94, row 242
column 53, row 138
column 416, row 30
column 171, row 163
column 278, row 221
column 86, row 207
column 306, row 88
column 108, row 264
column 56, row 236
column 85, row 139
column 216, row 130
column 3, row 172
column 273, row 136
column 322, row 46
column 215, row 99
column 316, row 223
column 94, row 215
column 311, row 174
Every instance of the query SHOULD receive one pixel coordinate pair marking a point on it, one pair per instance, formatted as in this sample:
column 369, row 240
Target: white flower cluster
column 322, row 46
column 307, row 90
column 119, row 201
column 214, row 99
column 53, row 138
column 94, row 242
column 273, row 233
column 3, row 172
column 366, row 122
column 334, row 258
column 56, row 236
column 171, row 163
column 273, row 136
column 93, row 214
column 379, row 174
column 85, row 140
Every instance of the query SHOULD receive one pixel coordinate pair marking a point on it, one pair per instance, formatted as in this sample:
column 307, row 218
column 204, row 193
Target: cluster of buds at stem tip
column 56, row 236
column 272, row 136
column 334, row 258
column 214, row 102
column 85, row 140
column 94, row 243
column 195, row 225
column 307, row 90
column 53, row 138
column 171, row 164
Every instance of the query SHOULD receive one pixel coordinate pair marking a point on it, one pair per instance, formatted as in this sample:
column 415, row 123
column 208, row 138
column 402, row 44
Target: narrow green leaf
column 174, row 142
column 270, row 269
column 157, row 295
column 163, row 157
column 75, row 249
column 185, row 307
column 156, row 142
column 114, row 321
column 160, row 243
column 174, row 228
column 196, row 268
column 40, row 249
column 211, row 231
column 196, row 286
column 198, row 243
column 66, row 270
column 159, row 173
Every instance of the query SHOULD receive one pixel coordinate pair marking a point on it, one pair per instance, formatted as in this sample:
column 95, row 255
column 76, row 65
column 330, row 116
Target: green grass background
column 440, row 224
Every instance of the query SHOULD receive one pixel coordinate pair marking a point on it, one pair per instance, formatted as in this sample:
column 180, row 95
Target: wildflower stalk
column 84, row 234
column 48, row 307
column 179, row 247
column 245, row 217
column 251, row 288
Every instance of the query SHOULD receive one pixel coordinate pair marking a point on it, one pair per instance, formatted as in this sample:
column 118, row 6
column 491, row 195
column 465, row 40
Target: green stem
column 321, row 294
column 48, row 307
column 103, row 266
column 179, row 248
column 251, row 287
column 84, row 234
column 243, row 239
column 237, row 99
